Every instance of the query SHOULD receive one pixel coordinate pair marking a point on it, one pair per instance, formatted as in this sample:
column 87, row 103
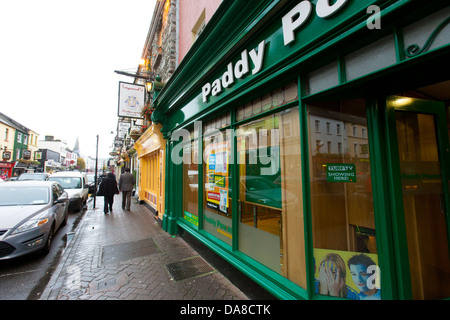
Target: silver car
column 33, row 176
column 30, row 214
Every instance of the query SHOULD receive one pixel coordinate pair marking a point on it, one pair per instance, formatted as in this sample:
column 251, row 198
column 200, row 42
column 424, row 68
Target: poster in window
column 217, row 176
column 347, row 274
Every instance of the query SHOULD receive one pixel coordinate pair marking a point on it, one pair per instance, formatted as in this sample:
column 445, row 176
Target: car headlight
column 30, row 224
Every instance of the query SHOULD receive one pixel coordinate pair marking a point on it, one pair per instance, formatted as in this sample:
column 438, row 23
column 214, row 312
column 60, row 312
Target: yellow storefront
column 150, row 148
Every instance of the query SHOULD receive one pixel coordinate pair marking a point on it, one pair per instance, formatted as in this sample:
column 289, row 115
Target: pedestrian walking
column 126, row 183
column 108, row 188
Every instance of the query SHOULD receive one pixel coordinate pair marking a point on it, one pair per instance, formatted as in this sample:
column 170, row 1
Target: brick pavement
column 127, row 256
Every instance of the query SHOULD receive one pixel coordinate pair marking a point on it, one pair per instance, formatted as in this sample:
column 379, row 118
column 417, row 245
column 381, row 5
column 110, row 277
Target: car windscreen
column 67, row 182
column 24, row 195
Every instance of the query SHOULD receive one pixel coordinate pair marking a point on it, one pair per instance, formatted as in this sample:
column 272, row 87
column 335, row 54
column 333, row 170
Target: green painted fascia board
column 230, row 24
column 184, row 86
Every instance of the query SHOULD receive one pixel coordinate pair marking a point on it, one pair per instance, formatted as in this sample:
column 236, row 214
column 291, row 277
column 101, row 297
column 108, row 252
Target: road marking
column 16, row 273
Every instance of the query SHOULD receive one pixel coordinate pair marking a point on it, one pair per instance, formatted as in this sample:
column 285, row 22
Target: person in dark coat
column 108, row 188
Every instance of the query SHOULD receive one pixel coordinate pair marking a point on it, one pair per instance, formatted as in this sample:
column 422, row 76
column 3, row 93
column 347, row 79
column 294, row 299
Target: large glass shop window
column 190, row 181
column 216, row 177
column 345, row 252
column 270, row 189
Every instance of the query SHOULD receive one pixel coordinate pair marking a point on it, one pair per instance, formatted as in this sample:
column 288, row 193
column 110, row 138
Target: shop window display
column 270, row 193
column 345, row 251
column 217, row 205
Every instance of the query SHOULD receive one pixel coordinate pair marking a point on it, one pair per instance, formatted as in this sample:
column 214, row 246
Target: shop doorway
column 419, row 156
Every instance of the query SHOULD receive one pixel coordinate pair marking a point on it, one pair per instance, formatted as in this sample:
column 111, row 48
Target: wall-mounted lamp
column 149, row 86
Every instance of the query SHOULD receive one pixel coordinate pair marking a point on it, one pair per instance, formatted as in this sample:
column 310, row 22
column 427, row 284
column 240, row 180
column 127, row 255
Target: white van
column 76, row 186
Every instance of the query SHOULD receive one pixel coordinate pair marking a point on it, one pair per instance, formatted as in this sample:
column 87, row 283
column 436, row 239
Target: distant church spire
column 76, row 148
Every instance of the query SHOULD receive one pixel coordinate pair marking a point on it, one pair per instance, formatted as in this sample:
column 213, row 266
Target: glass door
column 419, row 152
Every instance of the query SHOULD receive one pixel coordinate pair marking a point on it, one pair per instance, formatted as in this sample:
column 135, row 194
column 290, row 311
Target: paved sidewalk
column 125, row 255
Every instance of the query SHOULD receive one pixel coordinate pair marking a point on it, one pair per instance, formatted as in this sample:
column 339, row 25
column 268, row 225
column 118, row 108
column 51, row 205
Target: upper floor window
column 317, row 125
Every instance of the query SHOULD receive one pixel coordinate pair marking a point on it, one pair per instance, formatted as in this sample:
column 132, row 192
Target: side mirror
column 63, row 198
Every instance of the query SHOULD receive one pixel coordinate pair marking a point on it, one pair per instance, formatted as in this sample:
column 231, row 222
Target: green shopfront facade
column 308, row 145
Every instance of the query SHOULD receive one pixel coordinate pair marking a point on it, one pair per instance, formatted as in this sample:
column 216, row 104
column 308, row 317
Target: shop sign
column 240, row 69
column 26, row 154
column 123, row 128
column 217, row 224
column 300, row 14
column 150, row 144
column 131, row 100
column 421, row 177
column 341, row 172
column 6, row 155
column 191, row 218
column 306, row 20
column 8, row 165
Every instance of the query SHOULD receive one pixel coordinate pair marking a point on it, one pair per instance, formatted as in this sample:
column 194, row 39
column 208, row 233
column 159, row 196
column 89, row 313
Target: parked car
column 33, row 176
column 76, row 185
column 91, row 182
column 30, row 214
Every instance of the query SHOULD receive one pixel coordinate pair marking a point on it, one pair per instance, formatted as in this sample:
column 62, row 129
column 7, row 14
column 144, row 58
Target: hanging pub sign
column 6, row 155
column 26, row 154
column 123, row 128
column 131, row 100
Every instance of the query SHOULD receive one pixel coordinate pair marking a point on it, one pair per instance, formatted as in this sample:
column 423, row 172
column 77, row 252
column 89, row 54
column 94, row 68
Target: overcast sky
column 57, row 62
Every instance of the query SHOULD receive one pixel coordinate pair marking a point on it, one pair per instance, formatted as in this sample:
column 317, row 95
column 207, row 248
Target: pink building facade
column 193, row 16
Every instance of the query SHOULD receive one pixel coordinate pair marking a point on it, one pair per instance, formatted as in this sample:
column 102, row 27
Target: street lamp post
column 95, row 176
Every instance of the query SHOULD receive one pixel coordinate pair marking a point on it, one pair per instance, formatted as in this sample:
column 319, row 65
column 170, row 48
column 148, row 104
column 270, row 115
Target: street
column 25, row 278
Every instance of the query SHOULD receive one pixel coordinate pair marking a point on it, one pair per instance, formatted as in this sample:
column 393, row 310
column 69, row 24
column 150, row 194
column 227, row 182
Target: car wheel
column 80, row 208
column 48, row 243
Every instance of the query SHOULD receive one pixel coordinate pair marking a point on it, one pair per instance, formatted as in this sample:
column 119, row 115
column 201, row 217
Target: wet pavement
column 125, row 255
